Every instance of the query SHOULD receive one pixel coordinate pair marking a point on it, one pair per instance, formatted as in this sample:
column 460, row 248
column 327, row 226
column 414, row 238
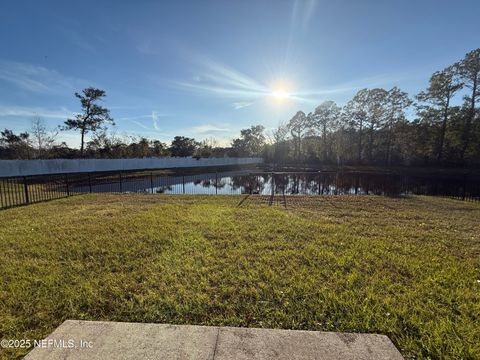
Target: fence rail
column 15, row 191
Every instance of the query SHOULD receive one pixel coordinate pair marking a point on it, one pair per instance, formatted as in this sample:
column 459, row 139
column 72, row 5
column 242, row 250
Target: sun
column 280, row 94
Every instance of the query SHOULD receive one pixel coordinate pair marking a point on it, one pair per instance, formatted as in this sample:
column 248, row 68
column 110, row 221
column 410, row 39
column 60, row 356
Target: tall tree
column 442, row 87
column 279, row 135
column 298, row 125
column 93, row 116
column 323, row 119
column 340, row 145
column 356, row 111
column 251, row 141
column 158, row 148
column 396, row 103
column 183, row 146
column 376, row 110
column 469, row 72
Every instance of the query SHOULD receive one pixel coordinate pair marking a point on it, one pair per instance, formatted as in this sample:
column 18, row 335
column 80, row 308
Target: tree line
column 40, row 143
column 372, row 128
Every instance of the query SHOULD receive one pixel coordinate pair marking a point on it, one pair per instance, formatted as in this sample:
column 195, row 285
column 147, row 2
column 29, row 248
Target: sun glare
column 279, row 94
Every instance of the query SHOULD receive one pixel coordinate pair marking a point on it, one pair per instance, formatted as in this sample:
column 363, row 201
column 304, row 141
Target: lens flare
column 279, row 94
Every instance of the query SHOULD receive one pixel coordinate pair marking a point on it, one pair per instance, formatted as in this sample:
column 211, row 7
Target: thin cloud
column 216, row 78
column 207, row 128
column 155, row 120
column 222, row 90
column 351, row 87
column 154, row 116
column 241, row 104
column 23, row 111
column 220, row 80
column 36, row 78
column 138, row 123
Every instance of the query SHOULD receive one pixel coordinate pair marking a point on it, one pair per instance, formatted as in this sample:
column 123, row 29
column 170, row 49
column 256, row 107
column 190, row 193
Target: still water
column 315, row 183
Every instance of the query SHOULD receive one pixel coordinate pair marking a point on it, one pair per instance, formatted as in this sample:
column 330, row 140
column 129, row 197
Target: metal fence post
column 27, row 199
column 151, row 181
column 183, row 183
column 120, row 177
column 67, row 185
column 336, row 183
column 273, row 185
column 216, row 183
column 89, row 183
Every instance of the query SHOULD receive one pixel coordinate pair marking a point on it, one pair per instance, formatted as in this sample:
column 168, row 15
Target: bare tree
column 42, row 138
column 210, row 142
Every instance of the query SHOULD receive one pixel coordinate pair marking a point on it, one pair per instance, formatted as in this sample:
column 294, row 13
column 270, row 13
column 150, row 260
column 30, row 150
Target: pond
column 313, row 183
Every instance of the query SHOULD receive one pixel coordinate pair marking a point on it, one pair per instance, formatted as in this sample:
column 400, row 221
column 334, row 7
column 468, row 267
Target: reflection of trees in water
column 308, row 184
column 321, row 183
column 326, row 183
column 280, row 183
column 339, row 184
column 208, row 183
column 380, row 184
column 301, row 184
column 295, row 184
column 330, row 184
column 250, row 184
column 448, row 186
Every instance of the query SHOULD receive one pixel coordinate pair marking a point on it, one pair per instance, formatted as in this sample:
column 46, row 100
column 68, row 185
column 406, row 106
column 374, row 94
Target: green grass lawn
column 407, row 268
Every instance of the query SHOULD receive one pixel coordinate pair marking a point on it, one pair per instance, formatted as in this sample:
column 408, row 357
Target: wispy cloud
column 221, row 133
column 25, row 111
column 154, row 116
column 216, row 78
column 38, row 79
column 138, row 123
column 242, row 104
column 155, row 120
column 208, row 128
column 381, row 80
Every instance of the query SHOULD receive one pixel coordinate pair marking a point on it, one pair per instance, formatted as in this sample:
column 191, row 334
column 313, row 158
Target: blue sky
column 211, row 68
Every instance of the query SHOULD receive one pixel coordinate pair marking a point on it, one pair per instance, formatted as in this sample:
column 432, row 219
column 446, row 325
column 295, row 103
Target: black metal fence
column 15, row 191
